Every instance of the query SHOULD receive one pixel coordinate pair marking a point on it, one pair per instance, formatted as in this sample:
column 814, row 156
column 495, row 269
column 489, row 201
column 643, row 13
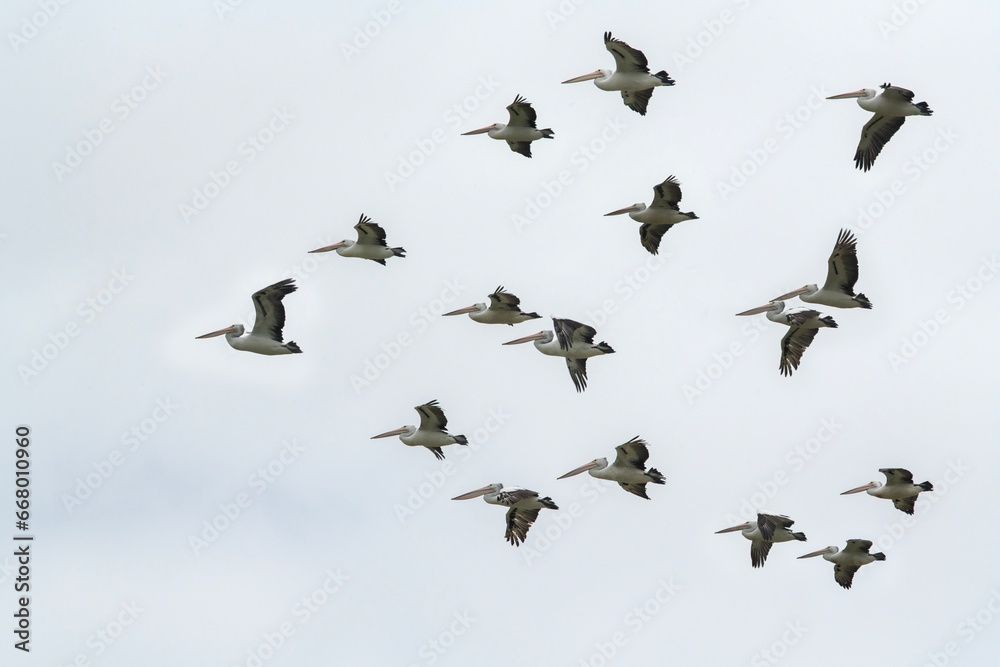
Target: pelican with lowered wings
column 629, row 468
column 768, row 529
column 504, row 308
column 430, row 434
column 803, row 324
column 265, row 337
column 572, row 341
column 841, row 275
column 848, row 561
column 898, row 487
column 520, row 131
column 370, row 244
column 523, row 507
column 657, row 218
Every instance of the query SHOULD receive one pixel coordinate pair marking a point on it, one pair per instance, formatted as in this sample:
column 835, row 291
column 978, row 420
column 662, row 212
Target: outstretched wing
column 270, row 318
column 627, row 59
column 667, row 194
column 842, row 267
column 874, row 136
column 369, row 233
column 431, row 416
column 522, row 114
column 650, row 235
column 518, row 522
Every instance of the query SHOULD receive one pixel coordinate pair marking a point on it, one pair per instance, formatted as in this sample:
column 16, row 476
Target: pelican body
column 629, row 468
column 431, row 433
column 504, row 308
column 523, row 507
column 898, row 487
column 841, row 275
column 890, row 108
column 370, row 244
column 803, row 323
column 265, row 337
column 848, row 561
column 768, row 529
column 572, row 341
column 631, row 75
column 657, row 218
column 520, row 131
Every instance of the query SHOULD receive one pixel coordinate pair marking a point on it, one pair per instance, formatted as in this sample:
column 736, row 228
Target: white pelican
column 524, row 507
column 899, row 488
column 265, row 338
column 571, row 340
column 629, row 468
column 659, row 216
column 841, row 274
column 848, row 561
column 804, row 324
column 430, row 434
column 631, row 75
column 370, row 245
column 769, row 529
column 504, row 308
column 890, row 108
column 520, row 131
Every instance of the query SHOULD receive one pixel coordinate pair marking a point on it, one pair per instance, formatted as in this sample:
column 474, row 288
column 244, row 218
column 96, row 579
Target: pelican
column 430, row 434
column 659, row 216
column 804, row 324
column 841, row 274
column 899, row 488
column 265, row 337
column 524, row 507
column 370, row 244
column 769, row 529
column 571, row 340
column 629, row 468
column 890, row 108
column 520, row 131
column 631, row 75
column 504, row 308
column 848, row 561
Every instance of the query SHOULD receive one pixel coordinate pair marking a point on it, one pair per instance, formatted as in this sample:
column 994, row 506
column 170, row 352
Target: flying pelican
column 430, row 434
column 848, row 561
column 631, row 75
column 524, row 507
column 841, row 274
column 629, row 468
column 265, row 337
column 804, row 324
column 899, row 488
column 659, row 216
column 575, row 343
column 890, row 108
column 769, row 529
column 504, row 308
column 370, row 244
column 520, row 131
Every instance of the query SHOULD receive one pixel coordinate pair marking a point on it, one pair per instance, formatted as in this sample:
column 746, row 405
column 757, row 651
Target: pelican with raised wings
column 659, row 216
column 848, row 561
column 898, row 487
column 520, row 131
column 430, row 434
column 523, row 507
column 265, row 337
column 768, row 529
column 841, row 275
column 631, row 75
column 890, row 108
column 370, row 244
column 572, row 341
column 629, row 468
column 803, row 323
column 504, row 308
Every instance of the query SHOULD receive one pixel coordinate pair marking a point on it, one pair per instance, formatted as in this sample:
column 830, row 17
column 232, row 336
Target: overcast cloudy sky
column 192, row 504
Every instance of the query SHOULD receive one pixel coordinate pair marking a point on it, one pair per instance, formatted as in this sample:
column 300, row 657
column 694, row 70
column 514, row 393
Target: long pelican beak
column 474, row 494
column 792, row 294
column 586, row 77
column 461, row 311
column 816, row 553
column 844, row 96
column 733, row 529
column 627, row 209
column 757, row 310
column 328, row 248
column 526, row 339
column 576, row 471
column 482, row 130
column 389, row 434
column 869, row 485
column 227, row 330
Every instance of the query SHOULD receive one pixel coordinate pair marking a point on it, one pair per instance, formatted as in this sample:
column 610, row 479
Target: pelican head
column 489, row 488
column 543, row 336
column 733, row 529
column 866, row 487
column 596, row 74
column 776, row 306
column 235, row 329
column 484, row 130
column 805, row 289
column 596, row 464
column 634, row 208
column 474, row 308
column 402, row 430
column 863, row 94
column 339, row 244
column 829, row 551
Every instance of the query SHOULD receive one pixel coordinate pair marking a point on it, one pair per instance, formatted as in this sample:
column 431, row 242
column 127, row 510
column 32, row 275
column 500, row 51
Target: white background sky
column 721, row 427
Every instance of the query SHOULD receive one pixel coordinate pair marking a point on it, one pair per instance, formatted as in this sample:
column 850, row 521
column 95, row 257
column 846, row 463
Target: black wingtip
column 292, row 347
column 665, row 78
column 926, row 486
column 879, row 556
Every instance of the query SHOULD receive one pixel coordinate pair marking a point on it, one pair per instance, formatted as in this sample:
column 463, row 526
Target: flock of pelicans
column 575, row 341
